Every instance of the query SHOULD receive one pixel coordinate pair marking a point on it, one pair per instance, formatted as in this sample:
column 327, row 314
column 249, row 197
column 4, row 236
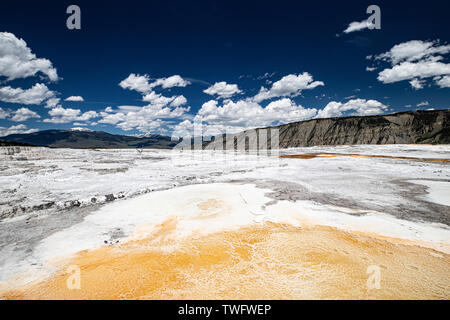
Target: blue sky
column 271, row 63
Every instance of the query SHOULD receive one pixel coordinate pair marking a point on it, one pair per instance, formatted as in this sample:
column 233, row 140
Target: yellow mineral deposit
column 356, row 155
column 266, row 260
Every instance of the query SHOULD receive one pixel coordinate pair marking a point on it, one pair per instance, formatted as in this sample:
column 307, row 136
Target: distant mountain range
column 430, row 127
column 89, row 139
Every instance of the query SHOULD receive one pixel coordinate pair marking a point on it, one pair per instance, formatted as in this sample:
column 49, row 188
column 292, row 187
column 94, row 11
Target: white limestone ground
column 52, row 199
column 438, row 191
column 230, row 206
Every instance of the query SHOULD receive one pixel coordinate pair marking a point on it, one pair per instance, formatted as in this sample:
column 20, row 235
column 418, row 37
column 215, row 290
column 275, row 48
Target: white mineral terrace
column 201, row 213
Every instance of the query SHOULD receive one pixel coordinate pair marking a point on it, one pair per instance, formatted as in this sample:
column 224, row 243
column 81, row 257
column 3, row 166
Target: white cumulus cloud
column 144, row 119
column 243, row 114
column 160, row 108
column 23, row 114
column 136, row 82
column 413, row 50
column 410, row 70
column 417, row 84
column 4, row 113
column 170, row 82
column 66, row 115
column 157, row 99
column 360, row 107
column 444, row 82
column 231, row 117
column 52, row 102
column 288, row 86
column 81, row 129
column 223, row 90
column 424, row 103
column 357, row 26
column 415, row 61
column 178, row 101
column 20, row 128
column 74, row 98
column 18, row 61
column 144, row 85
column 35, row 95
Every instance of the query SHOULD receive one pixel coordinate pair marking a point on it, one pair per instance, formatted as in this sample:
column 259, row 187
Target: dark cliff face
column 431, row 127
column 425, row 127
